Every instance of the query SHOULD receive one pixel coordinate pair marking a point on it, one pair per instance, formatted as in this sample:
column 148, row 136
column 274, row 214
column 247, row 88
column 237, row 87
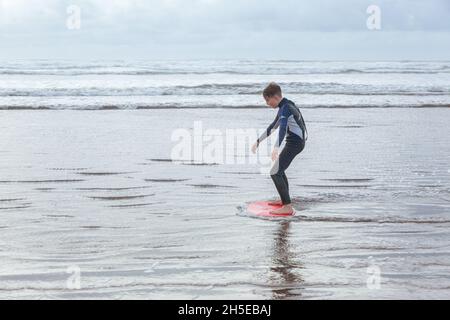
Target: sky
column 225, row 29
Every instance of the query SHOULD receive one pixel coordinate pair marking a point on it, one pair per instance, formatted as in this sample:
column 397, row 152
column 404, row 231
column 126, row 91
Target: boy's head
column 273, row 95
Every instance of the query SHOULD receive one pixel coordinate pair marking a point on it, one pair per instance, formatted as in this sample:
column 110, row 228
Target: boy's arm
column 273, row 126
column 283, row 127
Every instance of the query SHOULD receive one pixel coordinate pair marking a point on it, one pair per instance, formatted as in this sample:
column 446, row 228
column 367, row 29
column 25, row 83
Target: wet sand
column 98, row 191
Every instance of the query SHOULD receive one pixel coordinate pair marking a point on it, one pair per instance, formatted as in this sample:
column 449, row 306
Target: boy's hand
column 275, row 154
column 255, row 147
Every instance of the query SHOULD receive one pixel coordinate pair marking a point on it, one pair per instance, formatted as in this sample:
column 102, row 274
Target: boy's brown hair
column 271, row 90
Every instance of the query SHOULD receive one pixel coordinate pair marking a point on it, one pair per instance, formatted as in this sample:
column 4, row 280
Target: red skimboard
column 263, row 208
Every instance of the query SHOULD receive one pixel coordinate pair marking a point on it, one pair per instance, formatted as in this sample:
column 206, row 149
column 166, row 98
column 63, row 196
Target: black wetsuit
column 292, row 126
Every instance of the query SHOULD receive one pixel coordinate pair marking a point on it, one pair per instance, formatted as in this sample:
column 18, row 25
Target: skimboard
column 263, row 208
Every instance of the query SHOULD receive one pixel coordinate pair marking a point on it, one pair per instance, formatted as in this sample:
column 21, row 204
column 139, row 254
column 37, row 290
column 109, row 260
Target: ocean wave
column 205, row 106
column 88, row 72
column 199, row 67
column 230, row 89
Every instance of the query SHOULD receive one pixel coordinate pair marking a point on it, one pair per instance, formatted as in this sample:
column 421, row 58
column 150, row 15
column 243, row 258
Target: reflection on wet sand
column 284, row 271
column 389, row 201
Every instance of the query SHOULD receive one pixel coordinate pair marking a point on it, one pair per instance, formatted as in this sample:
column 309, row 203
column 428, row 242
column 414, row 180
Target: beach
column 95, row 196
column 178, row 152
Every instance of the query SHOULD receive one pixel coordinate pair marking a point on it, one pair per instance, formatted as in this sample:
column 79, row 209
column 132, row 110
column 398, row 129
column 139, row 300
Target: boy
column 292, row 126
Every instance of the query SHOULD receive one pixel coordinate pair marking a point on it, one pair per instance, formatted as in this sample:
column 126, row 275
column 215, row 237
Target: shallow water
column 97, row 191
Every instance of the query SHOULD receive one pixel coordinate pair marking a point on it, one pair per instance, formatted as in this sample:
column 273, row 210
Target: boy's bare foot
column 275, row 203
column 287, row 209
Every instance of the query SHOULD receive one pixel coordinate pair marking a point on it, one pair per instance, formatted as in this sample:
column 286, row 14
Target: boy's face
column 273, row 101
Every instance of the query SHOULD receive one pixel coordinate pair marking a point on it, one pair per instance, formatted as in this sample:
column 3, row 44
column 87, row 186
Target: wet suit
column 292, row 126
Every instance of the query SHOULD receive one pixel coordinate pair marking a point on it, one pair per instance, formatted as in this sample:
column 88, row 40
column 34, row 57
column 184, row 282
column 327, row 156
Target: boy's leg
column 278, row 172
column 286, row 180
column 287, row 184
column 281, row 187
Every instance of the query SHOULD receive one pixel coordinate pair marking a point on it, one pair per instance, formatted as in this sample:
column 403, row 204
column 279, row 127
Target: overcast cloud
column 283, row 29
